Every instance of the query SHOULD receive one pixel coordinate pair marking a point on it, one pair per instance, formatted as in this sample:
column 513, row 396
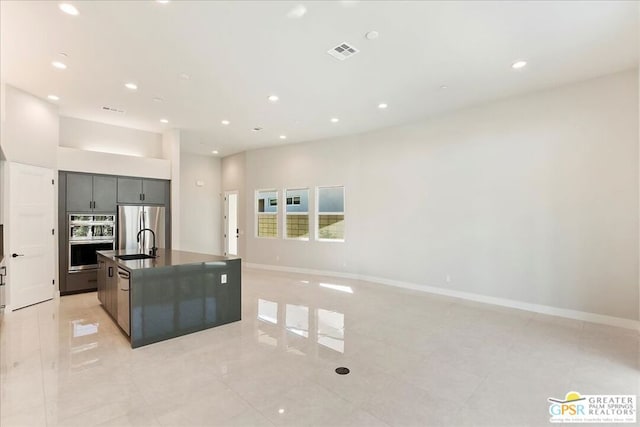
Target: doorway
column 31, row 235
column 231, row 230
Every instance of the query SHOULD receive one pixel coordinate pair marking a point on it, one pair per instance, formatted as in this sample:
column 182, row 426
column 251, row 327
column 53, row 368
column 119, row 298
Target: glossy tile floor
column 415, row 359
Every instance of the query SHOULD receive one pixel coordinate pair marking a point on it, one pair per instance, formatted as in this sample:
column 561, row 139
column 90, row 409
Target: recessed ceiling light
column 273, row 98
column 372, row 35
column 131, row 86
column 214, row 152
column 444, row 87
column 335, row 120
column 519, row 64
column 158, row 99
column 53, row 97
column 59, row 65
column 382, row 106
column 64, row 55
column 225, row 122
column 162, row 1
column 283, row 136
column 69, row 9
column 297, row 12
column 164, row 121
column 184, row 76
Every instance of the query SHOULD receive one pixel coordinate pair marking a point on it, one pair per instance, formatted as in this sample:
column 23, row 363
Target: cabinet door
column 113, row 289
column 79, row 192
column 104, row 193
column 102, row 279
column 130, row 190
column 153, row 191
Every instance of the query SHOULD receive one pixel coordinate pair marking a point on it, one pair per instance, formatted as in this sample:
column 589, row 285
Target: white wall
column 533, row 199
column 171, row 143
column 233, row 179
column 74, row 160
column 93, row 136
column 29, row 129
column 201, row 207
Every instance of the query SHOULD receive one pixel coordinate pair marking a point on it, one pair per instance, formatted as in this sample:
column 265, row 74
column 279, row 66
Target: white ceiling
column 239, row 53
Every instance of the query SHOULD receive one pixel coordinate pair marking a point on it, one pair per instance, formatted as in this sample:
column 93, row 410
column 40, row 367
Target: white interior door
column 31, row 242
column 231, row 223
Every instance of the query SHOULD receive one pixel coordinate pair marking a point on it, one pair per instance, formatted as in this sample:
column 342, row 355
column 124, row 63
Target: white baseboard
column 504, row 302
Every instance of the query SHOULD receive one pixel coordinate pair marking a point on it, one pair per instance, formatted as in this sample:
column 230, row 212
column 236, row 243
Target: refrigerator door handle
column 141, row 244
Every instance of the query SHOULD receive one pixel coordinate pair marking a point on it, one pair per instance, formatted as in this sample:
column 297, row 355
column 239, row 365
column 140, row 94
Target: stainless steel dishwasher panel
column 123, row 299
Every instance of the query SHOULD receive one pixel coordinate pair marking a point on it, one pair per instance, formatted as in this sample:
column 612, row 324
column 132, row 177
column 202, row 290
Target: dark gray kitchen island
column 173, row 294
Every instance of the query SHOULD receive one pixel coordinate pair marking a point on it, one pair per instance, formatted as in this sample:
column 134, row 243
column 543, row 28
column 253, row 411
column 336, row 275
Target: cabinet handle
column 110, row 272
column 143, row 196
column 16, row 255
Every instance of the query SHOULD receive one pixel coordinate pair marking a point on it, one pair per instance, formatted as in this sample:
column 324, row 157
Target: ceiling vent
column 343, row 51
column 113, row 110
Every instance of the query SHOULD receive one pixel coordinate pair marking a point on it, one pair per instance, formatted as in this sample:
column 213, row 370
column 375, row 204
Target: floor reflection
column 322, row 326
column 331, row 329
column 83, row 353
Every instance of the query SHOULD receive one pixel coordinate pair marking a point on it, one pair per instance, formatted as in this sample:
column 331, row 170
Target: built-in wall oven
column 88, row 234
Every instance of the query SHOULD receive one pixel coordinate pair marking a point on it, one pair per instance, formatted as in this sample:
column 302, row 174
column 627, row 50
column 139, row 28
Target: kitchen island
column 176, row 293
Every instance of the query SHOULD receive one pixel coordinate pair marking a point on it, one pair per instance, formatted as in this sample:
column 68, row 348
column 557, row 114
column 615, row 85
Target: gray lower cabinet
column 80, row 281
column 142, row 191
column 91, row 193
column 108, row 285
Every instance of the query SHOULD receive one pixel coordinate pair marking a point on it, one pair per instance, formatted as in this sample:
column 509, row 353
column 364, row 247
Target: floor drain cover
column 342, row 371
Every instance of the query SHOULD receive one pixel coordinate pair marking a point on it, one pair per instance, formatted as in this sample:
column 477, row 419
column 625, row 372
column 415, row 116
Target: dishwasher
column 123, row 299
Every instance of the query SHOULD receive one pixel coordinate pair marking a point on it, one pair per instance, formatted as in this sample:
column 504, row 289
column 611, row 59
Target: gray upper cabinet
column 90, row 193
column 142, row 191
column 129, row 190
column 104, row 193
column 153, row 191
column 79, row 193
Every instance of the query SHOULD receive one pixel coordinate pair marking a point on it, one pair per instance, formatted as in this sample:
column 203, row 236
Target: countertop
column 165, row 258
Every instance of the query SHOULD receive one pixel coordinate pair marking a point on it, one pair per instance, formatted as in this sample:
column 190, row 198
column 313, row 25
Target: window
column 267, row 213
column 330, row 208
column 297, row 214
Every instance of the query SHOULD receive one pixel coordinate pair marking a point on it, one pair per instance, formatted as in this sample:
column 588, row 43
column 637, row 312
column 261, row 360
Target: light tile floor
column 415, row 359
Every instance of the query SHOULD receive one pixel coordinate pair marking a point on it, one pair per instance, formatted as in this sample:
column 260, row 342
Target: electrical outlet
column 223, row 279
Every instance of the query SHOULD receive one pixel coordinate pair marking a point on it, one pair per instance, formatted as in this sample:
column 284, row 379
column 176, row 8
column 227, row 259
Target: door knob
column 16, row 255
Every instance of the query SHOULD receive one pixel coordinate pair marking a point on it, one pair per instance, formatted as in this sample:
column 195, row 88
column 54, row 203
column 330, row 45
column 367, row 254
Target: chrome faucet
column 154, row 250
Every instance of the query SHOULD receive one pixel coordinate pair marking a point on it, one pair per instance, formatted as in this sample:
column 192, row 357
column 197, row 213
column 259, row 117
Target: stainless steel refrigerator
column 132, row 219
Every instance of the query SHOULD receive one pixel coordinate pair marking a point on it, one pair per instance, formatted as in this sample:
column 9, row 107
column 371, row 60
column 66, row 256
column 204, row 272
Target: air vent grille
column 343, row 51
column 113, row 109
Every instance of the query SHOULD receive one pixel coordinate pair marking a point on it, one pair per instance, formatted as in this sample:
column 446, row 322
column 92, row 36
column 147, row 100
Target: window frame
column 285, row 214
column 258, row 214
column 317, row 214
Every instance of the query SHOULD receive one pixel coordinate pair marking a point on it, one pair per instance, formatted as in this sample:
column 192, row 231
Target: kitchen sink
column 130, row 257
